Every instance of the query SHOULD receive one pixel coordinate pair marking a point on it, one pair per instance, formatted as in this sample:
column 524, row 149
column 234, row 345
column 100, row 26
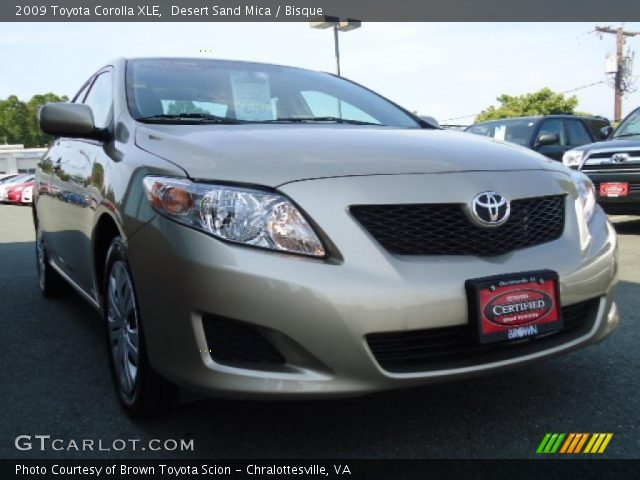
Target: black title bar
column 313, row 10
column 582, row 469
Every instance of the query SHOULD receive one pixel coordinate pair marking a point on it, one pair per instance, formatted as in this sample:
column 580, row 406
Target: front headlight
column 236, row 214
column 572, row 158
column 587, row 198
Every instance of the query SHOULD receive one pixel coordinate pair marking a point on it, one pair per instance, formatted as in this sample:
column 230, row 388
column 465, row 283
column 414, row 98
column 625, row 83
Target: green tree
column 37, row 137
column 19, row 120
column 542, row 102
column 14, row 121
column 97, row 175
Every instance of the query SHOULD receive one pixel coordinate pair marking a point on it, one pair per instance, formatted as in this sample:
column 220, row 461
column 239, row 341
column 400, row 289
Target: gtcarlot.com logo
column 574, row 443
column 47, row 442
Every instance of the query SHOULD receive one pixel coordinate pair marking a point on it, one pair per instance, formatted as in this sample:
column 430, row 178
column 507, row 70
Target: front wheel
column 142, row 391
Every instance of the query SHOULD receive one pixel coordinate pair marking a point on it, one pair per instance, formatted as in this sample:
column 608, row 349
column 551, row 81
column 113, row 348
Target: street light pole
column 338, row 26
column 336, row 43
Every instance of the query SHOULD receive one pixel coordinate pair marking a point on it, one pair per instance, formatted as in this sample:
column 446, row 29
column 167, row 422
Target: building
column 17, row 159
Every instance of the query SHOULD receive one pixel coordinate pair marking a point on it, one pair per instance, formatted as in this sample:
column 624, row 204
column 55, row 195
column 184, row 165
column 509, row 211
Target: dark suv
column 613, row 166
column 550, row 135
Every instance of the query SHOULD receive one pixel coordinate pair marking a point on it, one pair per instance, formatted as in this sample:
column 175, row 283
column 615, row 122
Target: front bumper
column 319, row 313
column 627, row 205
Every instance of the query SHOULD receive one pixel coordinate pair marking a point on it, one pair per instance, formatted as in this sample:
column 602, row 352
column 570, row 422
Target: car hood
column 273, row 155
column 622, row 143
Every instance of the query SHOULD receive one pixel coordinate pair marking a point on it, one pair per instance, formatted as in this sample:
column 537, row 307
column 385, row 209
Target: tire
column 50, row 282
column 142, row 392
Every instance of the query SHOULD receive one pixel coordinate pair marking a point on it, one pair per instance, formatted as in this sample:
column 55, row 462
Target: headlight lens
column 572, row 158
column 587, row 199
column 240, row 215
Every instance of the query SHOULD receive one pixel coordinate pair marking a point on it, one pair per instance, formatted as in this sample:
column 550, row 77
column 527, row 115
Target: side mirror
column 430, row 120
column 67, row 120
column 548, row 139
column 606, row 131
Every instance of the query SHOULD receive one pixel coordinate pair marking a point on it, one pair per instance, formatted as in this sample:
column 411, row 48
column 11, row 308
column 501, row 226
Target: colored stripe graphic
column 556, row 445
column 577, row 438
column 573, row 443
column 607, row 439
column 543, row 443
column 590, row 444
column 568, row 442
column 598, row 443
column 550, row 443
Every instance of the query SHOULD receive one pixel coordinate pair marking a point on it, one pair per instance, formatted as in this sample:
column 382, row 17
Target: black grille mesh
column 612, row 166
column 451, row 347
column 631, row 153
column 239, row 344
column 444, row 229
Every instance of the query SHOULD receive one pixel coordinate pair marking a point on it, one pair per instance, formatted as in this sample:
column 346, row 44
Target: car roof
column 541, row 117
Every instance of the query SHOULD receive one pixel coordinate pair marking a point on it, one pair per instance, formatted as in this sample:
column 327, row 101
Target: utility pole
column 621, row 35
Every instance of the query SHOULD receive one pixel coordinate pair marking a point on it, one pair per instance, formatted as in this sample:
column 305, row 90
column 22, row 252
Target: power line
column 460, row 118
column 582, row 87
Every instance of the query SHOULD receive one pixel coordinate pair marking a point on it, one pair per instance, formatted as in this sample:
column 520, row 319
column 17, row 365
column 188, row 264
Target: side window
column 578, row 134
column 100, row 99
column 553, row 125
column 323, row 105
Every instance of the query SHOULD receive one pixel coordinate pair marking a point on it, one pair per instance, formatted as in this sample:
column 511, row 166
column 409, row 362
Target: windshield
column 7, row 179
column 630, row 126
column 515, row 131
column 215, row 91
column 19, row 178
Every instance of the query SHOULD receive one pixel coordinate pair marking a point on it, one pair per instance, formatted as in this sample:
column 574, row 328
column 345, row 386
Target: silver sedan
column 259, row 230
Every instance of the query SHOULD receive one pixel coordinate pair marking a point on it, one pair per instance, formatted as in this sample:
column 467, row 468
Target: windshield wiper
column 189, row 118
column 628, row 135
column 321, row 119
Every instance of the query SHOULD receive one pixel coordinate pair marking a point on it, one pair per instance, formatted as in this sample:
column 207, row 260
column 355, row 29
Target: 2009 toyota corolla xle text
column 259, row 230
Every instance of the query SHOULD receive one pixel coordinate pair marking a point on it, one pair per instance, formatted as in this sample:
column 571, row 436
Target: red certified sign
column 520, row 306
column 614, row 189
column 515, row 307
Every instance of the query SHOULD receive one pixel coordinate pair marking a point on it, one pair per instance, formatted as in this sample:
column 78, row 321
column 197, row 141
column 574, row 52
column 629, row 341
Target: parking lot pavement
column 55, row 381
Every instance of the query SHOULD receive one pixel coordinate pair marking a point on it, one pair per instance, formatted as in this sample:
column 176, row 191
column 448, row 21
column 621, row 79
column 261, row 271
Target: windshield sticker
column 500, row 132
column 251, row 95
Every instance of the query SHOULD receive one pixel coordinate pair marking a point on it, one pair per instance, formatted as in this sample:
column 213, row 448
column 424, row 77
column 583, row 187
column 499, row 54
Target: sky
column 446, row 70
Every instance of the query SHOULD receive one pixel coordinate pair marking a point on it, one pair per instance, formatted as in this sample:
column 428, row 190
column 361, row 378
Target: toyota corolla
column 258, row 230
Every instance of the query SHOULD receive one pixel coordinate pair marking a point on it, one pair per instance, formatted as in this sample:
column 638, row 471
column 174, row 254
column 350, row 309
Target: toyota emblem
column 490, row 209
column 619, row 157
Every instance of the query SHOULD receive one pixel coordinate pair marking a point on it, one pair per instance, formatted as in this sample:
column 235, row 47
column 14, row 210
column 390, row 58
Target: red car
column 14, row 194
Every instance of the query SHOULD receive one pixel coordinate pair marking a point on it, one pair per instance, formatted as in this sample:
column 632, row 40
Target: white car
column 4, row 186
column 27, row 195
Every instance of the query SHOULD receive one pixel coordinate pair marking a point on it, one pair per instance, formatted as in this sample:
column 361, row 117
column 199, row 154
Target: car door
column 50, row 178
column 44, row 190
column 556, row 150
column 71, row 242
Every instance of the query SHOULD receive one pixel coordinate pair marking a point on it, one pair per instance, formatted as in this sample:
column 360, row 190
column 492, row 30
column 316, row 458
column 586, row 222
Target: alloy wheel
column 123, row 327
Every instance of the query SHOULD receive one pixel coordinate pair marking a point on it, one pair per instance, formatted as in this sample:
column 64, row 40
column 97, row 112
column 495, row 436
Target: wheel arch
column 105, row 230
